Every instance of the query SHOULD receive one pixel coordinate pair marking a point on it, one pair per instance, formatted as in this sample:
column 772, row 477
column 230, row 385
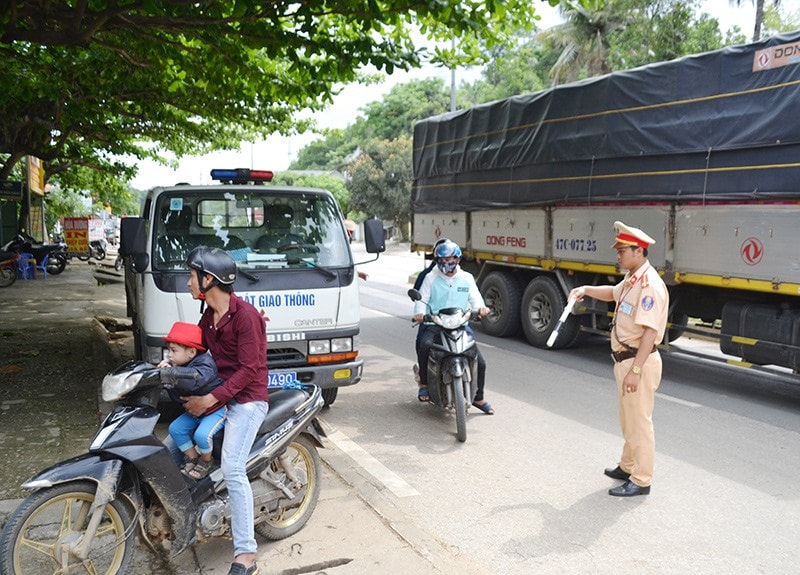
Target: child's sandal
column 200, row 469
column 188, row 465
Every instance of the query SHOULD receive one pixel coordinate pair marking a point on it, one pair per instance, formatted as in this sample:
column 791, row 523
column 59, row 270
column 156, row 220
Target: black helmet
column 213, row 261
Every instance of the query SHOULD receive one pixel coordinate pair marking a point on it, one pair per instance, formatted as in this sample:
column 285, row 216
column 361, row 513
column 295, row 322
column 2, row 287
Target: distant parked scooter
column 97, row 250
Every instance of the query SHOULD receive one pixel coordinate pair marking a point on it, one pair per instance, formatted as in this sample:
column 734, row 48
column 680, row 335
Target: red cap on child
column 188, row 334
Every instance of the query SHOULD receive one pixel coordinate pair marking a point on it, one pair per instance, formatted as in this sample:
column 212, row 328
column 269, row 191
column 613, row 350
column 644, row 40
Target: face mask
column 447, row 268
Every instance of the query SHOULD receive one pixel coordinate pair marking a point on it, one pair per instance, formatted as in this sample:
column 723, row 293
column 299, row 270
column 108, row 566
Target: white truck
column 294, row 261
column 703, row 153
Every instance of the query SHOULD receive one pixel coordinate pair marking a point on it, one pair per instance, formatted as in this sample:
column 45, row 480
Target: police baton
column 564, row 315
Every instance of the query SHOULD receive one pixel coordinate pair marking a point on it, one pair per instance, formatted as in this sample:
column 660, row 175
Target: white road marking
column 378, row 470
column 677, row 400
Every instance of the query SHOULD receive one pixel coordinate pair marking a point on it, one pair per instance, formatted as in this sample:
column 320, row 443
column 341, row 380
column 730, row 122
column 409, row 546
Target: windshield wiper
column 248, row 275
column 325, row 271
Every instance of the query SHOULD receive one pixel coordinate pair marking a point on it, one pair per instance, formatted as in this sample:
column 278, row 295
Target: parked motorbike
column 84, row 511
column 56, row 252
column 452, row 362
column 97, row 250
column 8, row 268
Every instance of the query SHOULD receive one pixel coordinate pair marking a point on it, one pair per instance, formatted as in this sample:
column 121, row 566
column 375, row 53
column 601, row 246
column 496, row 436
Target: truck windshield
column 261, row 230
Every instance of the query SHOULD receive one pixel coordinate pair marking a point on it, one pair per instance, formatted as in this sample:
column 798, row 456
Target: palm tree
column 759, row 15
column 582, row 40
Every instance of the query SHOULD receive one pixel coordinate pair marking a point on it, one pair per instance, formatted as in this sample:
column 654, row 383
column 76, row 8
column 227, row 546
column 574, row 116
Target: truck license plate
column 282, row 378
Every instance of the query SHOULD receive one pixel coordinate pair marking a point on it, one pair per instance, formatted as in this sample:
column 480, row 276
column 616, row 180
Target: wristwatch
column 636, row 370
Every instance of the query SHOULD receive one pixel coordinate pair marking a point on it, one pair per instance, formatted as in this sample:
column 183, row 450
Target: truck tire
column 501, row 293
column 542, row 305
column 679, row 321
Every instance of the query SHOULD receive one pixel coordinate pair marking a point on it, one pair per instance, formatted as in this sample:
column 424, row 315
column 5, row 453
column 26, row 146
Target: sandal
column 188, row 464
column 485, row 407
column 200, row 469
column 422, row 394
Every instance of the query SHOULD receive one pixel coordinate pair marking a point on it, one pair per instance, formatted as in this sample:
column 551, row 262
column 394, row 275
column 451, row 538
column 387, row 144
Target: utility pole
column 453, row 80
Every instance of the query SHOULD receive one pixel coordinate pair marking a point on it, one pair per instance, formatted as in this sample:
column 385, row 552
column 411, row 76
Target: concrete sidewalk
column 356, row 528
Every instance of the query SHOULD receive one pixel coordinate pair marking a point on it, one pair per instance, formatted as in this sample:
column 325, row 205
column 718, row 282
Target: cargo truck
column 294, row 264
column 702, row 152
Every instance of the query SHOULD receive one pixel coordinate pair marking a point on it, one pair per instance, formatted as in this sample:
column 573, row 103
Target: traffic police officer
column 640, row 320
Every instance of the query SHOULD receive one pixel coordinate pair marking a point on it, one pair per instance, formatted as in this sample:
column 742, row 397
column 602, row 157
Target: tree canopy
column 85, row 83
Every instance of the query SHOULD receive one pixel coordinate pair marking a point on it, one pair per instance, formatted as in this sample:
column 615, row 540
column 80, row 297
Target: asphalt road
column 526, row 493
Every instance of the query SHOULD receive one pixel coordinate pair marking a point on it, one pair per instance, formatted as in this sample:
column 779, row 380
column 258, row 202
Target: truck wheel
column 542, row 305
column 329, row 395
column 502, row 293
column 679, row 321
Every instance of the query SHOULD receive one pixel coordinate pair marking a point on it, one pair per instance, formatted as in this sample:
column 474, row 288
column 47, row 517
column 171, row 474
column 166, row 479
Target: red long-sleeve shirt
column 238, row 344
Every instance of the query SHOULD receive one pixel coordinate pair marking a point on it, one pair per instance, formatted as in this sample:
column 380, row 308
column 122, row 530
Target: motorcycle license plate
column 282, row 378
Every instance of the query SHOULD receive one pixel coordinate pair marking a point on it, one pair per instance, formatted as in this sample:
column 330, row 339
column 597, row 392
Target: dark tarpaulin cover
column 715, row 126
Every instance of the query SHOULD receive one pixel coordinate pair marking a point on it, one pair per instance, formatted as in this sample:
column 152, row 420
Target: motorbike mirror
column 414, row 295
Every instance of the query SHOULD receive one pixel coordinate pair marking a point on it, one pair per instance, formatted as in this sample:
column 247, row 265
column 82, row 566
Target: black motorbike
column 97, row 250
column 83, row 514
column 56, row 252
column 452, row 362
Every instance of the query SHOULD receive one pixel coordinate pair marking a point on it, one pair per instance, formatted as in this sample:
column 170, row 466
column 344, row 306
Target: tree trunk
column 759, row 20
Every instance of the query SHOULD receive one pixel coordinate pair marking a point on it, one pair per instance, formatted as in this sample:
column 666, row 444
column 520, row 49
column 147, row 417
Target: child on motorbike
column 192, row 371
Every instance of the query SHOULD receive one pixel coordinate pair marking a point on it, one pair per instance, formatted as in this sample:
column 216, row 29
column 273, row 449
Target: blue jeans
column 241, row 426
column 189, row 431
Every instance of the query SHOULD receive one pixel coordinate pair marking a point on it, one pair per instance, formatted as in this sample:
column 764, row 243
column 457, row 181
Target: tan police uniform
column 641, row 301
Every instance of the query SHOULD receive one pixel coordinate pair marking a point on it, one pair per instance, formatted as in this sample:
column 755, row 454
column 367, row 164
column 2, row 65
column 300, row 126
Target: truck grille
column 284, row 357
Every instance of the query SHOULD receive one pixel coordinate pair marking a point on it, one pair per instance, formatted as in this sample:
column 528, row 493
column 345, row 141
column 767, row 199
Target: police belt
column 619, row 356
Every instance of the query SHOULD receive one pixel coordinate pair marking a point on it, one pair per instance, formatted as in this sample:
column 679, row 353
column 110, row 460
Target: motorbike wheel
column 84, row 257
column 56, row 264
column 118, row 263
column 56, row 518
column 291, row 516
column 461, row 409
column 99, row 254
column 8, row 275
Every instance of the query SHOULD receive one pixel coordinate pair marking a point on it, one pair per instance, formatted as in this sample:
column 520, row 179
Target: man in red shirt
column 235, row 333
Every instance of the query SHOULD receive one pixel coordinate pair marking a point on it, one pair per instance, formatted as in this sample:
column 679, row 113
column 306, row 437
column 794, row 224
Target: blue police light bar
column 241, row 176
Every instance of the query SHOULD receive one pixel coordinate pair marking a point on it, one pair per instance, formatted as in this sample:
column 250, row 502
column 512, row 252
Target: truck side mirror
column 132, row 242
column 374, row 239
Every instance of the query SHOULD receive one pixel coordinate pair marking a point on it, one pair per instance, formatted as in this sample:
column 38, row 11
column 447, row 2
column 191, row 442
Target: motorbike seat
column 282, row 403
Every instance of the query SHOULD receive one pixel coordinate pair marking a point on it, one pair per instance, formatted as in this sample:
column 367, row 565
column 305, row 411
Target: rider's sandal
column 422, row 394
column 188, row 465
column 485, row 407
column 200, row 469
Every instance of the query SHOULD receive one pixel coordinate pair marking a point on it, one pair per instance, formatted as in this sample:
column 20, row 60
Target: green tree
column 380, row 182
column 582, row 41
column 518, row 68
column 759, row 18
column 89, row 81
column 777, row 19
column 384, row 119
column 333, row 182
column 661, row 30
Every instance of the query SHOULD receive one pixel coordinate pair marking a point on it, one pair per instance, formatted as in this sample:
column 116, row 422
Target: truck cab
column 294, row 265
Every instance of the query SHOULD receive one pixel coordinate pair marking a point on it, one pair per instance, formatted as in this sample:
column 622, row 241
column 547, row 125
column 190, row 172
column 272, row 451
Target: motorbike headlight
column 116, row 385
column 451, row 321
